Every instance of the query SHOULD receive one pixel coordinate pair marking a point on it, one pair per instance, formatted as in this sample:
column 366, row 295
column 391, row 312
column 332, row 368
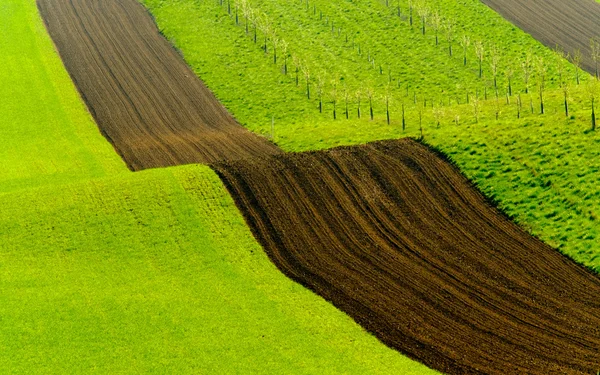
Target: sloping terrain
column 570, row 25
column 46, row 135
column 388, row 232
column 145, row 99
column 399, row 240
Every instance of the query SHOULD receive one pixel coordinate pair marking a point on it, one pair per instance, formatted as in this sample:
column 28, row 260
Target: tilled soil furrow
column 145, row 99
column 401, row 241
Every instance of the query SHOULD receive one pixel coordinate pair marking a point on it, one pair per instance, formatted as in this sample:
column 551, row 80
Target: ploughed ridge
column 399, row 240
column 568, row 24
column 390, row 233
column 146, row 101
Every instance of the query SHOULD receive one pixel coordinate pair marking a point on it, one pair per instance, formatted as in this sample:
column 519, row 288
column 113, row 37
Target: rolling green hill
column 157, row 272
column 47, row 135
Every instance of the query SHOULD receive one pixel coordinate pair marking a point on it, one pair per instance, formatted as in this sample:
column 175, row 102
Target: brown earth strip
column 399, row 240
column 146, row 101
column 569, row 24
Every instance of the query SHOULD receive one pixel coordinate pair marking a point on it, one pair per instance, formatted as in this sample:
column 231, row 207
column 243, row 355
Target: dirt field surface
column 569, row 24
column 145, row 99
column 399, row 240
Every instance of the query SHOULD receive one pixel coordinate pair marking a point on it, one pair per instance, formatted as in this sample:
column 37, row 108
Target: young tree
column 509, row 76
column 541, row 77
column 403, row 116
column 410, row 12
column 494, row 64
column 283, row 46
column 358, row 97
column 449, row 29
column 423, row 11
column 387, row 96
column 266, row 29
column 527, row 67
column 436, row 23
column 465, row 42
column 254, row 19
column 370, row 93
column 297, row 65
column 480, row 52
column 592, row 90
column 595, row 53
column 562, row 78
column 306, row 72
column 519, row 105
column 476, row 108
column 275, row 42
column 346, row 96
column 320, row 85
column 334, row 98
column 246, row 9
column 576, row 60
column 438, row 113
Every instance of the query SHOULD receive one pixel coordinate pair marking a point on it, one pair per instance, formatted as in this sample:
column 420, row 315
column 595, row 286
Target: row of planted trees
column 333, row 92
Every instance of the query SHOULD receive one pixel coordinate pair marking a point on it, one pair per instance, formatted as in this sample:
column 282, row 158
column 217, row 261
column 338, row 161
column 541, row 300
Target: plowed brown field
column 390, row 233
column 399, row 239
column 569, row 24
column 146, row 100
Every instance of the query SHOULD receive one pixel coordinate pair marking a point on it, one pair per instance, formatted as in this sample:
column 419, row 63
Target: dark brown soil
column 145, row 99
column 399, row 240
column 390, row 233
column 569, row 24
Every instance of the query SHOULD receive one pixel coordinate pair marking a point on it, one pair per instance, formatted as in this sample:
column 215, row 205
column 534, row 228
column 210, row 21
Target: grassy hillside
column 541, row 168
column 157, row 272
column 107, row 271
column 47, row 135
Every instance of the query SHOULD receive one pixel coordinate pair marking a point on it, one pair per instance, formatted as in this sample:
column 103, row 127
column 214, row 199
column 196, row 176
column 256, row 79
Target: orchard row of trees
column 345, row 101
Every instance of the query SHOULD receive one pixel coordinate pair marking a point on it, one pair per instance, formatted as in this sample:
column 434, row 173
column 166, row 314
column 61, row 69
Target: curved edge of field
column 569, row 25
column 146, row 101
column 402, row 242
column 157, row 272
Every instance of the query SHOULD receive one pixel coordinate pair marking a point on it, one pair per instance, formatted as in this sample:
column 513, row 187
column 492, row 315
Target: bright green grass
column 157, row 272
column 46, row 134
column 542, row 169
column 253, row 88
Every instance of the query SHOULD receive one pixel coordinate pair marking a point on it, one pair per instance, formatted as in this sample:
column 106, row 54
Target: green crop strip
column 47, row 136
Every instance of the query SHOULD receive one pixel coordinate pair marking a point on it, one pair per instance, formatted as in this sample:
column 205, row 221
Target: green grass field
column 540, row 168
column 108, row 271
column 47, row 135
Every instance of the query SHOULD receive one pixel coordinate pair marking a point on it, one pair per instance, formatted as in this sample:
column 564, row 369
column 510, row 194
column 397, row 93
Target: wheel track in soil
column 388, row 232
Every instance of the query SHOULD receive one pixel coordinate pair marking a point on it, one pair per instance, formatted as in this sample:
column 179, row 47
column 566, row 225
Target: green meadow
column 157, row 272
column 47, row 135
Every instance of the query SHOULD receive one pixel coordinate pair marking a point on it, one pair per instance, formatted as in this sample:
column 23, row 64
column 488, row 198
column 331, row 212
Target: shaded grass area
column 47, row 135
column 157, row 272
column 540, row 168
